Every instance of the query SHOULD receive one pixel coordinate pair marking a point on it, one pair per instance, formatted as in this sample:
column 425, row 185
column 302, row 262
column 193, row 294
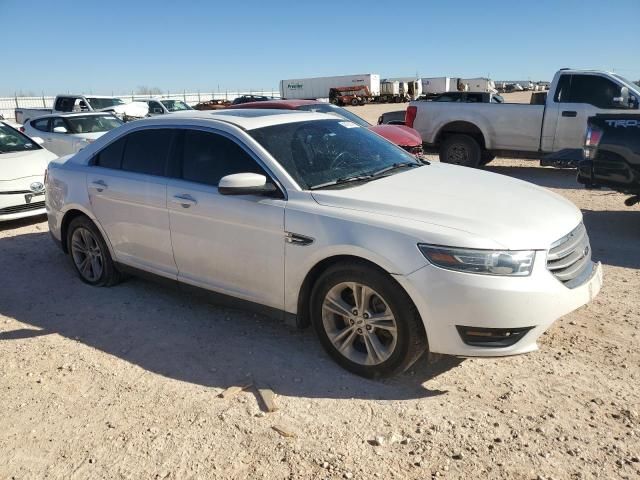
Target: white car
column 327, row 223
column 66, row 133
column 22, row 166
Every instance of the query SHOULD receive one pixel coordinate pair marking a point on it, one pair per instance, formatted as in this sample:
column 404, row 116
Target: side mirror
column 245, row 184
column 60, row 130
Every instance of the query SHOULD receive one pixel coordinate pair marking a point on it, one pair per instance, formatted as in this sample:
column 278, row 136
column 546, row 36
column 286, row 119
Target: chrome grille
column 569, row 258
column 22, row 208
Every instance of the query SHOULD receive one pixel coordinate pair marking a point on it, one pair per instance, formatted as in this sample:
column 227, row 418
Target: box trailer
column 318, row 87
column 480, row 84
column 413, row 85
column 437, row 85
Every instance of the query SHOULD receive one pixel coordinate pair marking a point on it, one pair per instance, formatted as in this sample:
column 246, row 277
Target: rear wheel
column 365, row 321
column 89, row 254
column 355, row 102
column 460, row 150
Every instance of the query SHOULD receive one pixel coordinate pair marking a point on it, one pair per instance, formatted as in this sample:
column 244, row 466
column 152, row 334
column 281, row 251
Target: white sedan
column 22, row 166
column 66, row 133
column 325, row 223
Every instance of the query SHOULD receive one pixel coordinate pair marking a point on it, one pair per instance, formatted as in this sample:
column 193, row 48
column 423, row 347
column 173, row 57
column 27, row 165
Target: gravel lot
column 124, row 382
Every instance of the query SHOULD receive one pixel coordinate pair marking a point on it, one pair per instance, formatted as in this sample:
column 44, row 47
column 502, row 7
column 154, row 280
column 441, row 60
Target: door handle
column 99, row 185
column 185, row 200
column 569, row 113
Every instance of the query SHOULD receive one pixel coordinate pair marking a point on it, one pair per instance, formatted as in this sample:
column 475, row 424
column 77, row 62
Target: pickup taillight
column 410, row 116
column 591, row 142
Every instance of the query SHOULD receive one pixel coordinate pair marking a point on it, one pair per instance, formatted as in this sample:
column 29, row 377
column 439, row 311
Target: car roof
column 75, row 114
column 247, row 119
column 281, row 104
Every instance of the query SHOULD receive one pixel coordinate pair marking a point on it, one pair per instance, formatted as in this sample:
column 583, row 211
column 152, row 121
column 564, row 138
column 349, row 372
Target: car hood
column 17, row 165
column 514, row 214
column 131, row 109
column 399, row 134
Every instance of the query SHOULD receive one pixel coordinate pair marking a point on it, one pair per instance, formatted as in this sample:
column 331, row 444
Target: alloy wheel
column 87, row 254
column 359, row 323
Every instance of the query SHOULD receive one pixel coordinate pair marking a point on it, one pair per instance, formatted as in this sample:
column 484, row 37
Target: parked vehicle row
column 471, row 134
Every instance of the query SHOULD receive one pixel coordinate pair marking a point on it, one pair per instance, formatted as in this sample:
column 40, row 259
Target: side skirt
column 290, row 319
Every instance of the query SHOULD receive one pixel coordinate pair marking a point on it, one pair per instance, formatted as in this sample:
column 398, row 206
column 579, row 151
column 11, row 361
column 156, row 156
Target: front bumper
column 20, row 205
column 447, row 300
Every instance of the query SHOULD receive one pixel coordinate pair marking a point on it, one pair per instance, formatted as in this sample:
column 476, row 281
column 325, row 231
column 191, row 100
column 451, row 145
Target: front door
column 128, row 192
column 586, row 96
column 230, row 244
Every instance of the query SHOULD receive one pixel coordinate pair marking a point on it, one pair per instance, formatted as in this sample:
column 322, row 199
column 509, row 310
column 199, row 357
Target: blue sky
column 54, row 46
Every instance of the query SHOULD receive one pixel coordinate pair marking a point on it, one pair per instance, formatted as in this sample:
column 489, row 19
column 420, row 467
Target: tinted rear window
column 146, row 151
column 111, row 155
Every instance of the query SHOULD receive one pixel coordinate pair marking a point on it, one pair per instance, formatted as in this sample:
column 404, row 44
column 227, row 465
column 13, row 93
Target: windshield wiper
column 342, row 181
column 395, row 166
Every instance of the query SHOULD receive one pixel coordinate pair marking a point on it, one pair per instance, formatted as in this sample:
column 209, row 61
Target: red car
column 401, row 135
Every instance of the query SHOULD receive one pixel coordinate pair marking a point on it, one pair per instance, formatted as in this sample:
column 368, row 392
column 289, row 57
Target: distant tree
column 144, row 90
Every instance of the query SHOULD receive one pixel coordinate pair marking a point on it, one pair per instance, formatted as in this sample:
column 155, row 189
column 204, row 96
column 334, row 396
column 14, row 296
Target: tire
column 354, row 333
column 486, row 157
column 83, row 235
column 355, row 102
column 460, row 150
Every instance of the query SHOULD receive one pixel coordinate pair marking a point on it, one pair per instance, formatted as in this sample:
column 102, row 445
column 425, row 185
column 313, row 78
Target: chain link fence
column 9, row 104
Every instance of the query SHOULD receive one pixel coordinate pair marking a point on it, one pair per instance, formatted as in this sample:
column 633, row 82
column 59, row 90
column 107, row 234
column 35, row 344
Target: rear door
column 233, row 244
column 586, row 96
column 127, row 187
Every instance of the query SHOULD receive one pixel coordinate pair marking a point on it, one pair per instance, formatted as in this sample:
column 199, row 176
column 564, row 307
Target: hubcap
column 86, row 254
column 359, row 323
column 458, row 154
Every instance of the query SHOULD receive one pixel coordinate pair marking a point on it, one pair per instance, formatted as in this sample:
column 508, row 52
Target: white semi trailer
column 318, row 87
column 435, row 85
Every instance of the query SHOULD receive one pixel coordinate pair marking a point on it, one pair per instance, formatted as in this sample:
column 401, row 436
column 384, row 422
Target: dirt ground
column 123, row 382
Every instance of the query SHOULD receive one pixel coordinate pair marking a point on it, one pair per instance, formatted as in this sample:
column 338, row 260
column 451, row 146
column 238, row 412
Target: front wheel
column 460, row 150
column 366, row 322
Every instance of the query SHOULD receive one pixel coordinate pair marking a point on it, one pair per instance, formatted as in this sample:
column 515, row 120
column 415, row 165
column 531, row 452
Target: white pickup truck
column 472, row 134
column 82, row 103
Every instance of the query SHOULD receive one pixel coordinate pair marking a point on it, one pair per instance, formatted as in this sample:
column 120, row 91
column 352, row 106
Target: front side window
column 155, row 107
column 11, row 140
column 317, row 152
column 93, row 123
column 58, row 122
column 594, row 90
column 207, row 157
column 146, row 151
column 562, row 89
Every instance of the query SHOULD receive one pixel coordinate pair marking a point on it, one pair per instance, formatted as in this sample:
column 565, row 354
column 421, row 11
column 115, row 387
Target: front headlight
column 487, row 262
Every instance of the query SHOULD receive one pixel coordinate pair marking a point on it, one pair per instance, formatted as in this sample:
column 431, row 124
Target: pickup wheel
column 461, row 150
column 365, row 321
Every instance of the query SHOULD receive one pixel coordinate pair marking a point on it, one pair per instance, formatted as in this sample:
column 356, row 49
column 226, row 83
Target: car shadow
column 22, row 222
column 179, row 334
column 544, row 176
column 615, row 236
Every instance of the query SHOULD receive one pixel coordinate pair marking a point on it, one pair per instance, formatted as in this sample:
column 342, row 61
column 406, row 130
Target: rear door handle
column 569, row 113
column 185, row 200
column 99, row 185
